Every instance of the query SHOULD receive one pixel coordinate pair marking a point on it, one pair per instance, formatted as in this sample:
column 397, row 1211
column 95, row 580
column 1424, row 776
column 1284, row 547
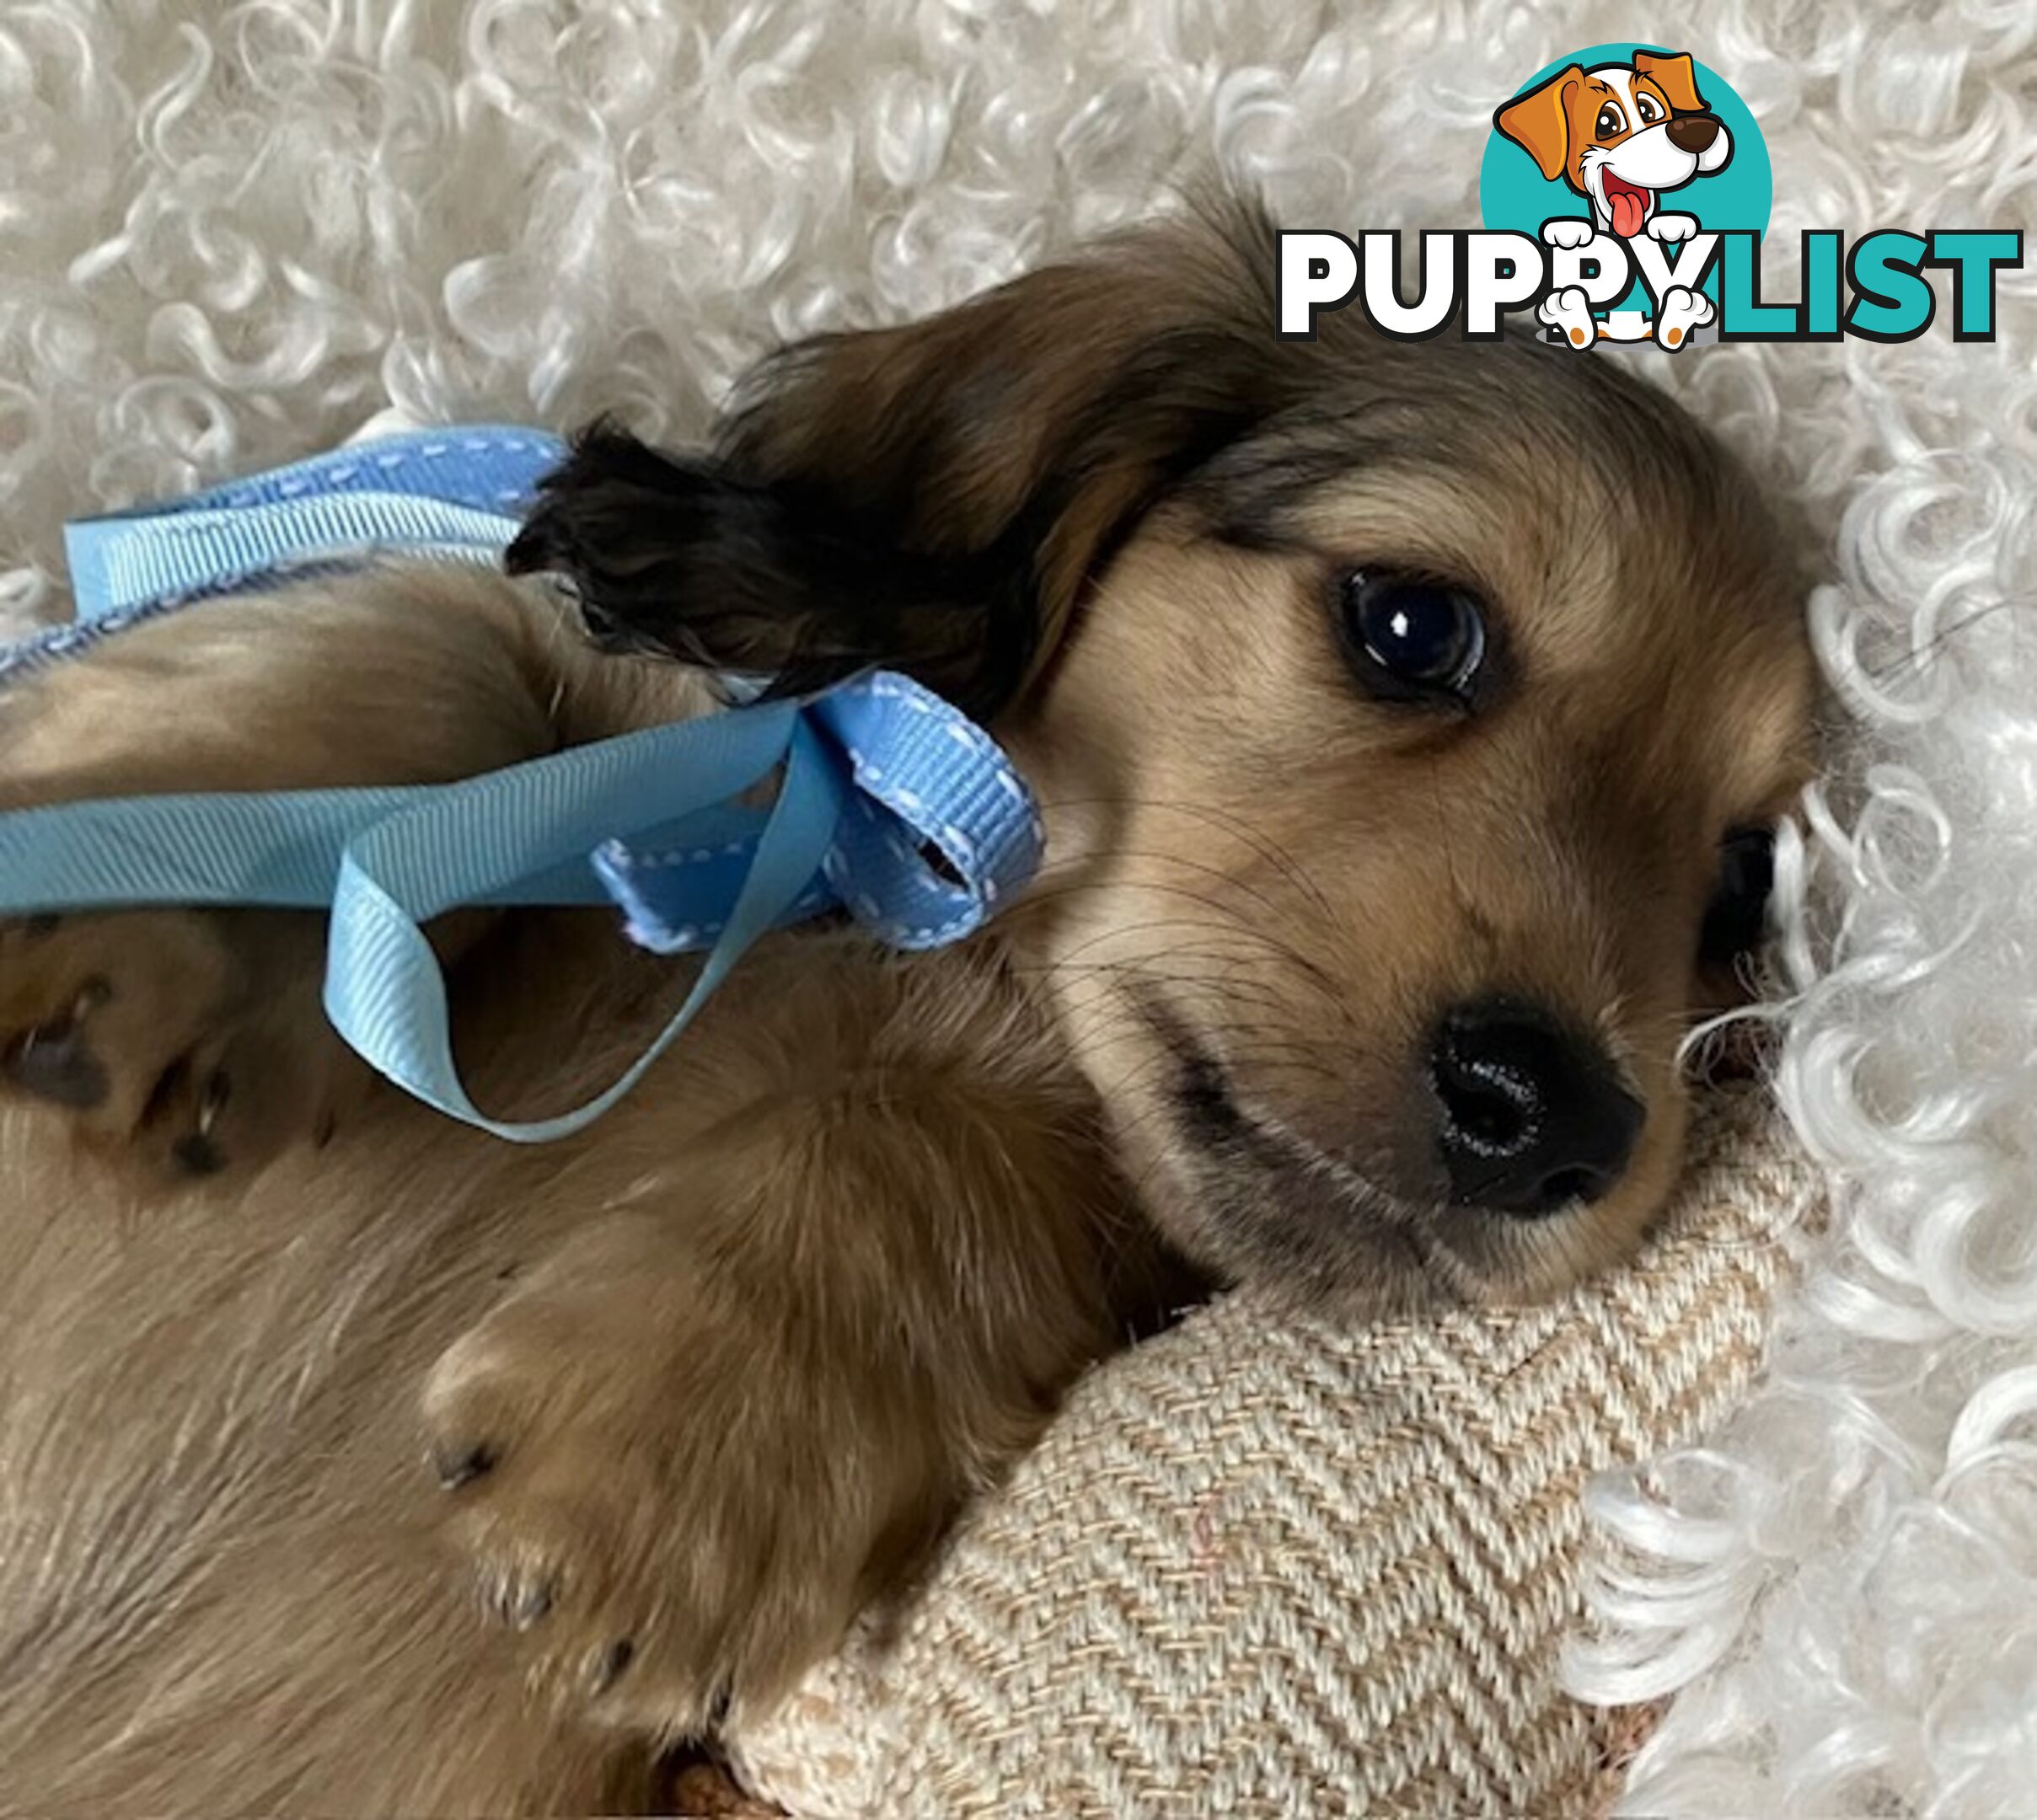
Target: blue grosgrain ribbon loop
column 872, row 776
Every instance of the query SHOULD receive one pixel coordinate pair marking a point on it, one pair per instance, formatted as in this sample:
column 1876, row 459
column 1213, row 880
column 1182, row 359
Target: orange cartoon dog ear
column 1539, row 120
column 1674, row 76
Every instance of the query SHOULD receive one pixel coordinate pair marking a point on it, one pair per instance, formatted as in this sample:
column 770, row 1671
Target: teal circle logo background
column 1514, row 194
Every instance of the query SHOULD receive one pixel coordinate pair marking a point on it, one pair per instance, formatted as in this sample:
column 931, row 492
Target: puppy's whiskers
column 1255, row 840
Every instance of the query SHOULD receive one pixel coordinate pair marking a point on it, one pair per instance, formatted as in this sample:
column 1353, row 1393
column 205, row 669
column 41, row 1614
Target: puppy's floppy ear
column 1674, row 75
column 1539, row 121
column 930, row 498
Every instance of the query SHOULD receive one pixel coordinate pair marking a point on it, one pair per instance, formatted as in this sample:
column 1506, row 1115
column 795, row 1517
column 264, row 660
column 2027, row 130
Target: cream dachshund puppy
column 1406, row 719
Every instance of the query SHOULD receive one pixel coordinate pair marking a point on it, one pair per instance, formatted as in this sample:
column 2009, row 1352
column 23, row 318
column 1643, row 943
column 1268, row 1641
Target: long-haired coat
column 1401, row 714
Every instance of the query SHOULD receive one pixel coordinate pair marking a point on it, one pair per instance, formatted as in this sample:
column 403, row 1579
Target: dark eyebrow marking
column 1246, row 494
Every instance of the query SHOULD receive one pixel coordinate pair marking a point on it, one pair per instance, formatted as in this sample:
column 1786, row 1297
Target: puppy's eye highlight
column 1644, row 105
column 1611, row 122
column 1737, row 916
column 1410, row 638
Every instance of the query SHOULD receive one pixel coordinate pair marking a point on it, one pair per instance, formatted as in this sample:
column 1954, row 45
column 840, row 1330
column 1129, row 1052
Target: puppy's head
column 1619, row 134
column 1406, row 719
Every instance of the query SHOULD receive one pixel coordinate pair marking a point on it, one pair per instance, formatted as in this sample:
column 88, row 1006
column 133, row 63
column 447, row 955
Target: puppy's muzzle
column 1693, row 132
column 1533, row 1117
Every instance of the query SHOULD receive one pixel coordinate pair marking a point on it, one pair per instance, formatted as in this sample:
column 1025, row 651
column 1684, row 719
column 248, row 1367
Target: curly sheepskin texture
column 231, row 234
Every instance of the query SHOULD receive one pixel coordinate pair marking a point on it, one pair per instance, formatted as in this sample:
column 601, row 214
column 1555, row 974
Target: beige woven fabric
column 1262, row 1570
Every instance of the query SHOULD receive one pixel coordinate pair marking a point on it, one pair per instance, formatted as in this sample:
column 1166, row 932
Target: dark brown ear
column 930, row 498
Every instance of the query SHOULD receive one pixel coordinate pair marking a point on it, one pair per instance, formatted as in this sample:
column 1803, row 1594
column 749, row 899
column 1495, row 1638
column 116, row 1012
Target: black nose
column 1533, row 1115
column 1692, row 132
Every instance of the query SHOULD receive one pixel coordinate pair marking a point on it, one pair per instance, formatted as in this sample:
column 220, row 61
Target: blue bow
column 875, row 774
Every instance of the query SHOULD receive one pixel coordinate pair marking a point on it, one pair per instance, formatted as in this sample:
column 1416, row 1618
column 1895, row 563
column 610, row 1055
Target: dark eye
column 1609, row 123
column 1644, row 105
column 1737, row 917
column 1411, row 638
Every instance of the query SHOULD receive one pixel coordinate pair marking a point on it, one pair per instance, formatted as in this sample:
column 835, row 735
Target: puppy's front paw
column 1672, row 228
column 173, row 1045
column 643, row 1489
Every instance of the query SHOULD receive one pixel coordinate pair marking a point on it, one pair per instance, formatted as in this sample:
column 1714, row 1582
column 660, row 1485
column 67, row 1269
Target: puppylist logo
column 1624, row 191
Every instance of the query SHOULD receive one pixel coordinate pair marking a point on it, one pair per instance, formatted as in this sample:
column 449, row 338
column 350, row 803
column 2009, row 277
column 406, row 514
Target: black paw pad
column 53, row 1063
column 456, row 1466
column 196, row 1154
column 511, row 1598
column 609, row 1666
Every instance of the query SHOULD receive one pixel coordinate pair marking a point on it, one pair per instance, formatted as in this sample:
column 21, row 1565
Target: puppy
column 1621, row 134
column 1405, row 719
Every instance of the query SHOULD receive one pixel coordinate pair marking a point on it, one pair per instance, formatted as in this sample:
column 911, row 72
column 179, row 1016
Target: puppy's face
column 1406, row 721
column 1392, row 770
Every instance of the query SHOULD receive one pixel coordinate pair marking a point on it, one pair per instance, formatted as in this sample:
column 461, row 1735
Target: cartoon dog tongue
column 1629, row 207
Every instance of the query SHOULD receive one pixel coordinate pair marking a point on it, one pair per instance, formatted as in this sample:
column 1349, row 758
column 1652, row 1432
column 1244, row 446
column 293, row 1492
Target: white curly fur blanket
column 230, row 233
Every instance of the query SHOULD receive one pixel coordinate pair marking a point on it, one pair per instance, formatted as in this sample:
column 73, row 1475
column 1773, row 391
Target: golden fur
column 354, row 1462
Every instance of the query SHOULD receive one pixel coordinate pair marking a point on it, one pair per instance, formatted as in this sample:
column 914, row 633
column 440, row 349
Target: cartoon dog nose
column 1533, row 1115
column 1693, row 132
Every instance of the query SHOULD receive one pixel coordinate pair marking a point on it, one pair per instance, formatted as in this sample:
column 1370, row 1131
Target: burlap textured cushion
column 1268, row 1571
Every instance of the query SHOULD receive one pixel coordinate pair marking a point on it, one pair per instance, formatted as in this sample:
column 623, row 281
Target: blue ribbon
column 873, row 774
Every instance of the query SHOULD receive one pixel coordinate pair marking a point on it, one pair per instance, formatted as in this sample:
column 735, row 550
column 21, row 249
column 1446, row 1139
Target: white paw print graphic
column 1682, row 311
column 1570, row 311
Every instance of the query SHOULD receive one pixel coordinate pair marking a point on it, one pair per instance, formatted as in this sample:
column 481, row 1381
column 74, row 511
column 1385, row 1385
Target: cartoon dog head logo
column 1631, row 163
column 1620, row 135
